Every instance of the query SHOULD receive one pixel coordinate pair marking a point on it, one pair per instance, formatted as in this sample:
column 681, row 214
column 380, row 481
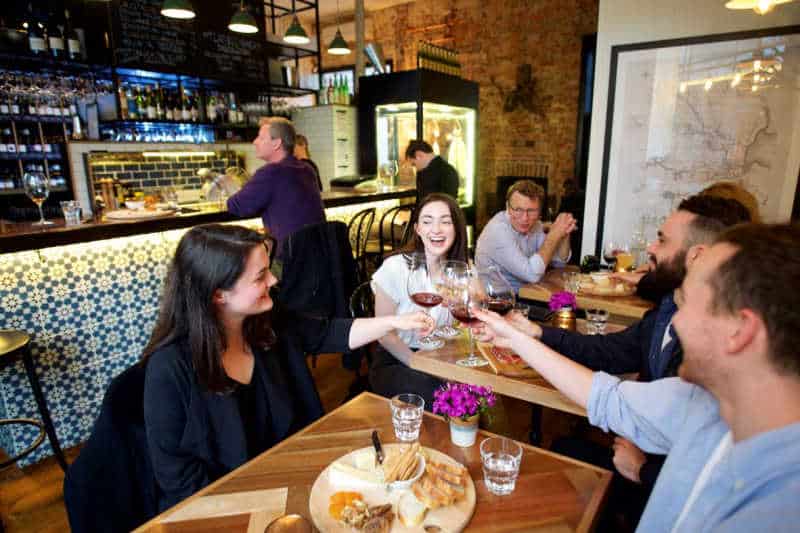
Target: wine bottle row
column 51, row 35
column 10, row 180
column 337, row 92
column 28, row 142
column 179, row 104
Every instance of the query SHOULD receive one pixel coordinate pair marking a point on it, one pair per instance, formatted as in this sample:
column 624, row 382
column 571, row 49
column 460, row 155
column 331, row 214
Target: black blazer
column 438, row 176
column 196, row 436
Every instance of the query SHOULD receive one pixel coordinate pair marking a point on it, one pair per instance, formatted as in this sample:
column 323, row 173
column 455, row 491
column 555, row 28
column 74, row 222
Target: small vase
column 464, row 432
column 565, row 319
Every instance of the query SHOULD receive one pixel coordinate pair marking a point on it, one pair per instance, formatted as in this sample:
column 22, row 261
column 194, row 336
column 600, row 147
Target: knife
column 376, row 442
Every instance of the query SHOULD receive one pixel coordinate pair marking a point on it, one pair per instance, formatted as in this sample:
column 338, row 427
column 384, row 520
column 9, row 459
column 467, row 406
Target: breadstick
column 398, row 467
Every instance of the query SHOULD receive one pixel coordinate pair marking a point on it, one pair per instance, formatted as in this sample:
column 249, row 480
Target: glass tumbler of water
column 407, row 416
column 596, row 320
column 501, row 458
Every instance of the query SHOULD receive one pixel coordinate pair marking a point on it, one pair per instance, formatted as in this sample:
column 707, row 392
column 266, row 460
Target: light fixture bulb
column 757, row 65
column 737, row 79
column 178, row 9
column 708, row 85
column 682, row 87
column 338, row 46
column 295, row 34
column 754, row 88
column 242, row 21
column 762, row 7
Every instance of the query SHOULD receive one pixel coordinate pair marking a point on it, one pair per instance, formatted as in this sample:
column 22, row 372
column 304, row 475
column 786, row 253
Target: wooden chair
column 362, row 305
column 391, row 235
column 358, row 231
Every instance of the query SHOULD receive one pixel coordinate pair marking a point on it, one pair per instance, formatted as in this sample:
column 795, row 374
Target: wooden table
column 553, row 493
column 626, row 306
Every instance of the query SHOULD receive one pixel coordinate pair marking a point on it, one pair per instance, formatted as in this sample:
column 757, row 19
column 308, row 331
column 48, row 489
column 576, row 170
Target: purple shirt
column 285, row 194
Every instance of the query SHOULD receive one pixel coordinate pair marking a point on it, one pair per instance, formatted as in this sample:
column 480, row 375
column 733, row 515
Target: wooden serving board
column 505, row 362
column 613, row 289
column 138, row 214
column 452, row 518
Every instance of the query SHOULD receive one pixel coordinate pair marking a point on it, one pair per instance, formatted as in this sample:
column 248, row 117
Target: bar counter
column 89, row 296
column 17, row 237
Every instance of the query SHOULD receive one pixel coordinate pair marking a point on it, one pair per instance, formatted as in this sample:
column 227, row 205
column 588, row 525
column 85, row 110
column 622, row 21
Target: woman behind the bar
column 302, row 153
column 440, row 233
column 226, row 377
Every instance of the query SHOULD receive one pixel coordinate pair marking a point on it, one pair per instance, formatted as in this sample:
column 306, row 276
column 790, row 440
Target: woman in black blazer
column 226, row 376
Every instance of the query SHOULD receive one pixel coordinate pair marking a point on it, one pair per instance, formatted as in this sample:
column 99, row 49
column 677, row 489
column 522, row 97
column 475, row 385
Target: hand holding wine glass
column 499, row 293
column 467, row 293
column 422, row 293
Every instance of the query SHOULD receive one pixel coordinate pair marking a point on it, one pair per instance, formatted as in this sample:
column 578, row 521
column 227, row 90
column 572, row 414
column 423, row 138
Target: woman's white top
column 391, row 278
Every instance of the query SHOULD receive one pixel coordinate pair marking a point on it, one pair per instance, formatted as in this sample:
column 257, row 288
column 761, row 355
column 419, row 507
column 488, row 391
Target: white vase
column 464, row 432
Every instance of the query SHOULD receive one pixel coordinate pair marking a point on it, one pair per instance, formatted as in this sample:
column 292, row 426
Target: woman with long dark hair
column 439, row 234
column 226, row 377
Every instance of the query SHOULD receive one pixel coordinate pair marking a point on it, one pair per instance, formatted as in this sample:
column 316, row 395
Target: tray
column 143, row 214
column 505, row 362
column 452, row 518
column 614, row 288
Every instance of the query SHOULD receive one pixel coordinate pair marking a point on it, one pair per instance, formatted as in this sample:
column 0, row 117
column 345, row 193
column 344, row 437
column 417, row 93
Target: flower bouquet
column 562, row 300
column 462, row 406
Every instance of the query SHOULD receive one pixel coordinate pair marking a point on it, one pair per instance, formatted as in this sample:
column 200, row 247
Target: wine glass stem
column 41, row 214
column 471, row 354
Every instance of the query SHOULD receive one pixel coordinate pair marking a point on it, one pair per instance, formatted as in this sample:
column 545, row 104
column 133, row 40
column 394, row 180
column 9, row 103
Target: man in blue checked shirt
column 731, row 423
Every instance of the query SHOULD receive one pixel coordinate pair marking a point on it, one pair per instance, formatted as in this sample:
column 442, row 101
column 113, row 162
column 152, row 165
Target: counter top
column 17, row 237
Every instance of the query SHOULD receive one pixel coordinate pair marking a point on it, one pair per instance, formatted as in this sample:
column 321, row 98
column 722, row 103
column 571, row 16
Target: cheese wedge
column 411, row 510
column 342, row 473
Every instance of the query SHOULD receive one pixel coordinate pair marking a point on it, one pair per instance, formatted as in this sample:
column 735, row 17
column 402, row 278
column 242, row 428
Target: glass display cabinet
column 420, row 104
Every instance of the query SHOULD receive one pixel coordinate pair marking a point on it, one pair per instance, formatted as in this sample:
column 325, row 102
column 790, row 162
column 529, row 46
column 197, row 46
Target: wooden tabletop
column 627, row 306
column 553, row 493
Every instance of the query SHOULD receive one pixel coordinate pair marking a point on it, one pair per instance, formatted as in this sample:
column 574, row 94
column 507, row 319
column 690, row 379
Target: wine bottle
column 158, row 94
column 211, row 108
column 4, row 140
column 123, row 102
column 133, row 108
column 186, row 112
column 36, row 42
column 24, row 139
column 55, row 39
column 71, row 36
column 15, row 104
column 4, row 107
column 150, row 98
column 168, row 106
column 141, row 104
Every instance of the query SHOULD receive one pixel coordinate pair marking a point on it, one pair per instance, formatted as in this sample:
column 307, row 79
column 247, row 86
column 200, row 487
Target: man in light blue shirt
column 514, row 240
column 731, row 423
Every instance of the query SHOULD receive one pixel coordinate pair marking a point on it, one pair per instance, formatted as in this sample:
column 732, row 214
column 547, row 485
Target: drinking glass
column 501, row 458
column 467, row 292
column 422, row 293
column 523, row 309
column 72, row 212
column 37, row 187
column 596, row 320
column 572, row 282
column 609, row 253
column 443, row 283
column 499, row 292
column 407, row 416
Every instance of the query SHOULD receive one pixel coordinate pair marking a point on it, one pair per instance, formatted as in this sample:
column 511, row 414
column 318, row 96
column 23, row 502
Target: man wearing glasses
column 515, row 241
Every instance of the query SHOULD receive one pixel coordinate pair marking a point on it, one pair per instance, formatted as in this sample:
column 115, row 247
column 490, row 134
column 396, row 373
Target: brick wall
column 148, row 173
column 493, row 37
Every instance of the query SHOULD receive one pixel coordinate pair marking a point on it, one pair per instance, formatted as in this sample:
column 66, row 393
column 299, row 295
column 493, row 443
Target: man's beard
column 669, row 275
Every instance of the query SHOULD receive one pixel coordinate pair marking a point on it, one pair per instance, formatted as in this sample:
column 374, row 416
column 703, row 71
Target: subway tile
column 139, row 175
column 130, row 167
column 147, row 166
column 164, row 166
column 156, row 174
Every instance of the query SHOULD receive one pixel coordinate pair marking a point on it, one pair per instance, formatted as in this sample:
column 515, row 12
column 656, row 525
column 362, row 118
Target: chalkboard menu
column 233, row 57
column 145, row 38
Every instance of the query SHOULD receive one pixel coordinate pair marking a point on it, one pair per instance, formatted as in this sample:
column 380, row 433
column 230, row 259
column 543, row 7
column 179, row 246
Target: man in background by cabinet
column 284, row 191
column 434, row 174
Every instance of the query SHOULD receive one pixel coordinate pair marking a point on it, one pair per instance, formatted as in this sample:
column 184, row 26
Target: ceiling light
column 338, row 46
column 178, row 9
column 708, row 85
column 242, row 21
column 295, row 34
column 682, row 87
column 754, row 88
column 761, row 7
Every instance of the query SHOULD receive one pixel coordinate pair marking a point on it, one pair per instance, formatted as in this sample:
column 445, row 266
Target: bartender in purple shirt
column 284, row 191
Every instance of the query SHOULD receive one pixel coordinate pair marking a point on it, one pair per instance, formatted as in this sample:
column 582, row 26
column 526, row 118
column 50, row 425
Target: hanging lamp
column 242, row 21
column 762, row 7
column 178, row 9
column 295, row 34
column 338, row 46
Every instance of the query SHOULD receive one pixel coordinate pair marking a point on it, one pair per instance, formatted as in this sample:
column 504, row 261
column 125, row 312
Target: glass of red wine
column 421, row 291
column 442, row 283
column 467, row 293
column 499, row 293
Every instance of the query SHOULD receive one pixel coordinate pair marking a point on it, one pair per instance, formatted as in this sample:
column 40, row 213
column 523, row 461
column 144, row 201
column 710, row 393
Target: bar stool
column 16, row 344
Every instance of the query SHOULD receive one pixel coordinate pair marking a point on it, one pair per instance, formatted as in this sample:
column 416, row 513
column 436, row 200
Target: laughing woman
column 440, row 234
column 226, row 376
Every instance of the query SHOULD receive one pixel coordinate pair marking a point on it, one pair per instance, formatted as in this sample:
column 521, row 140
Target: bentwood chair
column 358, row 231
column 392, row 233
column 362, row 305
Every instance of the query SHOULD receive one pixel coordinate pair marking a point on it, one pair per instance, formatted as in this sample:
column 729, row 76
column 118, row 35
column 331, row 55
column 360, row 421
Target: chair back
column 362, row 302
column 392, row 235
column 358, row 230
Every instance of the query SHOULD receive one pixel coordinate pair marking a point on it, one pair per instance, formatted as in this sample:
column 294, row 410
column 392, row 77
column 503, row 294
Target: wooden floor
column 31, row 499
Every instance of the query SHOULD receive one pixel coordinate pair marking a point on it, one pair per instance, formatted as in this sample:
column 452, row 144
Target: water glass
column 572, row 282
column 72, row 212
column 501, row 458
column 407, row 416
column 596, row 320
column 523, row 309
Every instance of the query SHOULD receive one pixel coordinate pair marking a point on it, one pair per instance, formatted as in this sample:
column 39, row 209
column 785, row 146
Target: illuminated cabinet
column 420, row 104
column 331, row 134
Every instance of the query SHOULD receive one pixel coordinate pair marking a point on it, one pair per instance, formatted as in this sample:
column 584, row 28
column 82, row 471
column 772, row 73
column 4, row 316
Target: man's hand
column 628, row 277
column 517, row 320
column 417, row 321
column 628, row 459
column 563, row 225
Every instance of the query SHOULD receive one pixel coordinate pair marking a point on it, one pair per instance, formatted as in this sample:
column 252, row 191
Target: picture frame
column 683, row 114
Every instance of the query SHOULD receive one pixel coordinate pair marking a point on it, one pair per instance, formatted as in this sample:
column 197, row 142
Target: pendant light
column 242, row 21
column 338, row 46
column 178, row 9
column 295, row 34
column 762, row 7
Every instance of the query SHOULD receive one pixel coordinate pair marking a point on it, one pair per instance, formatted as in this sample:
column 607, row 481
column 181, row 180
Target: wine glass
column 37, row 187
column 421, row 292
column 610, row 253
column 467, row 292
column 499, row 292
column 443, row 283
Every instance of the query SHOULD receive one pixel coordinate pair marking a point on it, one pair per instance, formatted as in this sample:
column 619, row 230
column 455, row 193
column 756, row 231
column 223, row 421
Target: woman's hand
column 496, row 329
column 414, row 321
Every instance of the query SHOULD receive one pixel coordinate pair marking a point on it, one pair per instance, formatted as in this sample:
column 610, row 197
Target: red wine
column 461, row 313
column 500, row 307
column 426, row 299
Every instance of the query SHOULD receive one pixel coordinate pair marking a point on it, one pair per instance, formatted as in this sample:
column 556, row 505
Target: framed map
column 686, row 113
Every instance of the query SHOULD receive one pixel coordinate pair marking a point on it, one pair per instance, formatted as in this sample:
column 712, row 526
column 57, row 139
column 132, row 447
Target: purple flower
column 560, row 300
column 457, row 400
